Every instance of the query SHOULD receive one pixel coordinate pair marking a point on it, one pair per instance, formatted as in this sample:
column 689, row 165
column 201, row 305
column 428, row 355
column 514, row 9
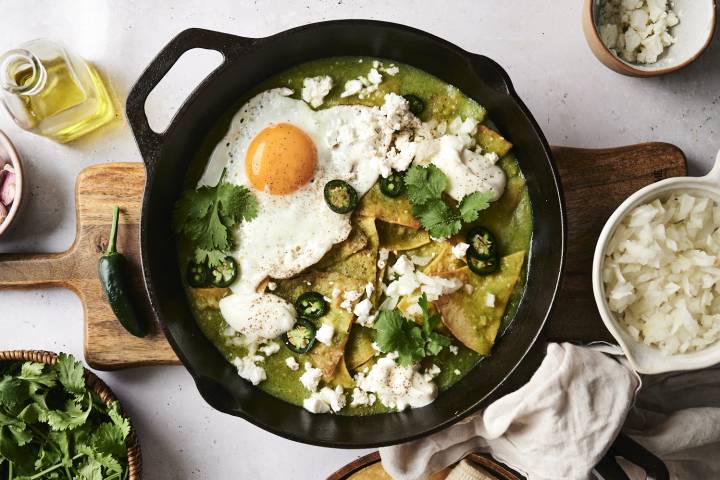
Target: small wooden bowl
column 95, row 384
column 694, row 33
column 8, row 153
column 491, row 466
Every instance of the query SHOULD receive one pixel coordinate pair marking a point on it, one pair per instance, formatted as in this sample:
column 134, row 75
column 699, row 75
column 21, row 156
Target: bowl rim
column 16, row 162
column 659, row 362
column 621, row 66
column 95, row 383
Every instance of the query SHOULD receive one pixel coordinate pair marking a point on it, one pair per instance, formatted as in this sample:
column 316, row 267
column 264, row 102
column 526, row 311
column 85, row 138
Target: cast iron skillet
column 249, row 61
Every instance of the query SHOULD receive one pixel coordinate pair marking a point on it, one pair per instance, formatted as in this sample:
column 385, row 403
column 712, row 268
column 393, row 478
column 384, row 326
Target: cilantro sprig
column 206, row 216
column 53, row 427
column 412, row 342
column 425, row 187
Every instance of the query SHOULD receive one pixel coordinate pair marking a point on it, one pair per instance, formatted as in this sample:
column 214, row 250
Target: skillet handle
column 150, row 142
column 632, row 451
column 492, row 74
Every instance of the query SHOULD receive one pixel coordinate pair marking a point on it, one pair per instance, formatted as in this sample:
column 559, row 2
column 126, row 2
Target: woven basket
column 95, row 384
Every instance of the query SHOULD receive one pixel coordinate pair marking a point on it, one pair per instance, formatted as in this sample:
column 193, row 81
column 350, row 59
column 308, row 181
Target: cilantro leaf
column 425, row 187
column 396, row 334
column 206, row 215
column 77, row 437
column 71, row 417
column 412, row 342
column 437, row 218
column 122, row 423
column 435, row 342
column 71, row 374
column 213, row 257
column 423, row 184
column 471, row 205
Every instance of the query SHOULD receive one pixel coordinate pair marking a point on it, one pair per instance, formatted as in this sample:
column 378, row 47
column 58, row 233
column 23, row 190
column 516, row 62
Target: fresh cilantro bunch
column 425, row 187
column 412, row 342
column 208, row 214
column 53, row 427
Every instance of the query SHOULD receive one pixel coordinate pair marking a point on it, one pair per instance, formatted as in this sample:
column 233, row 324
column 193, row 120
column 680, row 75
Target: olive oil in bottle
column 49, row 91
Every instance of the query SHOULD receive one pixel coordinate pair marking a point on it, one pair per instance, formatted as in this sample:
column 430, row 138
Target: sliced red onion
column 7, row 189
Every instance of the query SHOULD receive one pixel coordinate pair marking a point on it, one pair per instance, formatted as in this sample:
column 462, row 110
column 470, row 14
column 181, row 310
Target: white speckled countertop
column 576, row 100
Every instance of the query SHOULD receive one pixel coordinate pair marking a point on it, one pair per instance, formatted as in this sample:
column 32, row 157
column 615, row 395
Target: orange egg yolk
column 280, row 159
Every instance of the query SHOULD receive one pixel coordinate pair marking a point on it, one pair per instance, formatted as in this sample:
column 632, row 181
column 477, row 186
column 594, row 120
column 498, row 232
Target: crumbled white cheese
column 349, row 298
column 420, row 260
column 435, row 287
column 382, row 257
column 362, row 398
column 272, row 286
column 325, row 400
column 325, row 334
column 637, row 30
column 489, row 300
column 397, row 386
column 364, row 86
column 311, row 377
column 315, row 89
column 457, row 372
column 414, row 310
column 369, row 289
column 315, row 404
column 453, row 349
column 248, row 369
column 270, row 349
column 335, row 292
column 362, row 312
column 292, row 364
column 459, row 250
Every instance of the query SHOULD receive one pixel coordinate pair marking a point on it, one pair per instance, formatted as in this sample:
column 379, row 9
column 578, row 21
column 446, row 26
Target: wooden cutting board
column 594, row 183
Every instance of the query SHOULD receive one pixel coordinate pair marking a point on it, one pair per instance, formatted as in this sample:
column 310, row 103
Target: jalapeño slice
column 340, row 196
column 301, row 337
column 311, row 305
column 417, row 104
column 224, row 274
column 482, row 266
column 393, row 185
column 482, row 243
column 198, row 274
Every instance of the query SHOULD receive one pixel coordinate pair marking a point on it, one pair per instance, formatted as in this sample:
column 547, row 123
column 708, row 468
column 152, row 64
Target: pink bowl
column 9, row 154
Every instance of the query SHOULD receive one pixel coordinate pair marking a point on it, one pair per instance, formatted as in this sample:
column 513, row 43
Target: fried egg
column 284, row 153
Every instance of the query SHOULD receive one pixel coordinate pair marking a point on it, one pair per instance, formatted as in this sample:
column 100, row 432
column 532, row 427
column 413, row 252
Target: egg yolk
column 280, row 159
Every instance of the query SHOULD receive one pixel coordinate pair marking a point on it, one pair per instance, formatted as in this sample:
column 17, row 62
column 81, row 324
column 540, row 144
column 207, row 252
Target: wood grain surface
column 595, row 182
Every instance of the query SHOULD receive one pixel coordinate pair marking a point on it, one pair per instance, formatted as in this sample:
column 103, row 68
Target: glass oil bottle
column 50, row 91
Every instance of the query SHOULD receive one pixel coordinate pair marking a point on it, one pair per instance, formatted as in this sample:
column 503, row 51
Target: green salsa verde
column 509, row 218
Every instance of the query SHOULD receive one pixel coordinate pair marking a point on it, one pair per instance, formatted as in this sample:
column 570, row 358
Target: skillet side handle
column 492, row 74
column 632, row 451
column 149, row 142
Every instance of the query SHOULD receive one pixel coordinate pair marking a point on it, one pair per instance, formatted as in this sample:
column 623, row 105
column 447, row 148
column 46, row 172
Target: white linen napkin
column 557, row 426
column 561, row 423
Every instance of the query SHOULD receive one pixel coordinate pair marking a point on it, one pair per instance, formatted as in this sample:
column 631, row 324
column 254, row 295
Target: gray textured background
column 576, row 100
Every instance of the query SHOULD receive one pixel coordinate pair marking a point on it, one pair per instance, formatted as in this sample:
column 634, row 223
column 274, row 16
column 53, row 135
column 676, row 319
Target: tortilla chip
column 399, row 237
column 373, row 472
column 492, row 141
column 444, row 261
column 342, row 376
column 324, row 357
column 207, row 298
column 467, row 316
column 359, row 346
column 391, row 210
column 356, row 241
column 361, row 265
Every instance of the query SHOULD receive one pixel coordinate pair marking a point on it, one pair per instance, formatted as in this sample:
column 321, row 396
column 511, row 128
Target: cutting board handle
column 25, row 270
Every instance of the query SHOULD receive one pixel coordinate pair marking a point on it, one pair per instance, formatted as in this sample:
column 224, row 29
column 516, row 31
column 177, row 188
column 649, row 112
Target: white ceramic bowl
column 694, row 34
column 644, row 358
